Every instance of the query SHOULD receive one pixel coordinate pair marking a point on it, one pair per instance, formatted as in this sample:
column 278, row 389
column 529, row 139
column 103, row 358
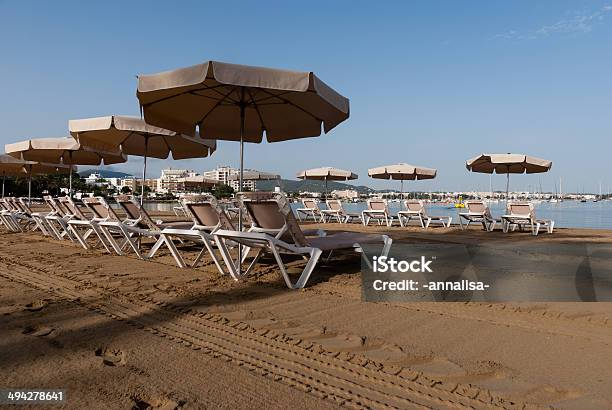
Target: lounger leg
column 156, row 247
column 315, row 254
column 227, row 258
column 175, row 253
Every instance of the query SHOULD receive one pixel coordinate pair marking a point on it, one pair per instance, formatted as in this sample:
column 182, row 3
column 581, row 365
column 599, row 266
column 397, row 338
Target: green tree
column 223, row 191
column 126, row 190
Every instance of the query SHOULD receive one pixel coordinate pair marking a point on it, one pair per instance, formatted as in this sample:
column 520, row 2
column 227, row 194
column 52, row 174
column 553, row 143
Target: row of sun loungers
column 273, row 230
column 519, row 215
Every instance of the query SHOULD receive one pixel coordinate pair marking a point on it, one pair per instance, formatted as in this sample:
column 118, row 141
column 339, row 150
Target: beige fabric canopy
column 402, row 172
column 136, row 137
column 11, row 166
column 252, row 175
column 327, row 174
column 284, row 104
column 508, row 164
column 65, row 150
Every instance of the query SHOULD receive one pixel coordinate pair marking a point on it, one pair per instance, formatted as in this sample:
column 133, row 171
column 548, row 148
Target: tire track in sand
column 298, row 363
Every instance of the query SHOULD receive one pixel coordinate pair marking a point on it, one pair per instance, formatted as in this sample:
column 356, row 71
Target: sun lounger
column 377, row 211
column 56, row 219
column 26, row 214
column 311, row 209
column 336, row 210
column 479, row 212
column 271, row 213
column 207, row 216
column 101, row 212
column 134, row 227
column 522, row 214
column 416, row 209
column 9, row 216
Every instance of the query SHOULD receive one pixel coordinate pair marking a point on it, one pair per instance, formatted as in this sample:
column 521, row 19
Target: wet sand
column 118, row 332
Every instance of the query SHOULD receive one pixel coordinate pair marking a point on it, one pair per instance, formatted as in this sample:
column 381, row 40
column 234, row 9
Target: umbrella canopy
column 11, row 166
column 65, row 150
column 214, row 96
column 252, row 175
column 326, row 174
column 508, row 164
column 402, row 172
column 135, row 137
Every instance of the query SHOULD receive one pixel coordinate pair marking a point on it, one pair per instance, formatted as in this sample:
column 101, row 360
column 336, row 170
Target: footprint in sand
column 156, row 404
column 36, row 306
column 38, row 331
column 111, row 356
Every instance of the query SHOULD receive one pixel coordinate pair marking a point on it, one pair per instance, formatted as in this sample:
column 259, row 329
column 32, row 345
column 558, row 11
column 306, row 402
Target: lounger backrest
column 135, row 211
column 272, row 211
column 205, row 211
column 23, row 205
column 310, row 203
column 414, row 206
column 71, row 207
column 334, row 205
column 476, row 207
column 51, row 204
column 100, row 208
column 377, row 205
column 521, row 208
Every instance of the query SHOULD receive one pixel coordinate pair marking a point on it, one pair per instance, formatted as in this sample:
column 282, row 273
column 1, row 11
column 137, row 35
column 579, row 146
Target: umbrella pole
column 3, row 181
column 30, row 187
column 507, row 185
column 401, row 189
column 325, row 188
column 242, row 107
column 70, row 183
column 144, row 172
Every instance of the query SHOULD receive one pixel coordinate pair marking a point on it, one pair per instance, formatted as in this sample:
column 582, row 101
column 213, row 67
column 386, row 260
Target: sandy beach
column 118, row 332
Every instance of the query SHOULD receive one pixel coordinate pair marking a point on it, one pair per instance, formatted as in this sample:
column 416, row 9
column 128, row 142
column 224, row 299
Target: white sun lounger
column 311, row 209
column 479, row 212
column 377, row 211
column 275, row 212
column 416, row 209
column 336, row 210
column 522, row 214
column 207, row 216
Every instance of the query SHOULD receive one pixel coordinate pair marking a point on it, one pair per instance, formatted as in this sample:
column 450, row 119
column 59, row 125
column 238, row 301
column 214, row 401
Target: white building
column 345, row 194
column 222, row 174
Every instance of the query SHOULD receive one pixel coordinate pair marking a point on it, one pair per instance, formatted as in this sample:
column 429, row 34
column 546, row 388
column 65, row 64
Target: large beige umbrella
column 402, row 172
column 327, row 174
column 508, row 164
column 67, row 151
column 239, row 103
column 11, row 166
column 135, row 137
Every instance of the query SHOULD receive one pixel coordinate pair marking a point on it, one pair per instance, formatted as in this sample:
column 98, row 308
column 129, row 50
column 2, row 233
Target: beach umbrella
column 135, row 137
column 67, row 151
column 508, row 164
column 11, row 166
column 326, row 174
column 241, row 103
column 402, row 172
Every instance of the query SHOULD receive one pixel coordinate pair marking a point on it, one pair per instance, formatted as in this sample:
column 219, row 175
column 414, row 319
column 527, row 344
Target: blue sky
column 430, row 83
